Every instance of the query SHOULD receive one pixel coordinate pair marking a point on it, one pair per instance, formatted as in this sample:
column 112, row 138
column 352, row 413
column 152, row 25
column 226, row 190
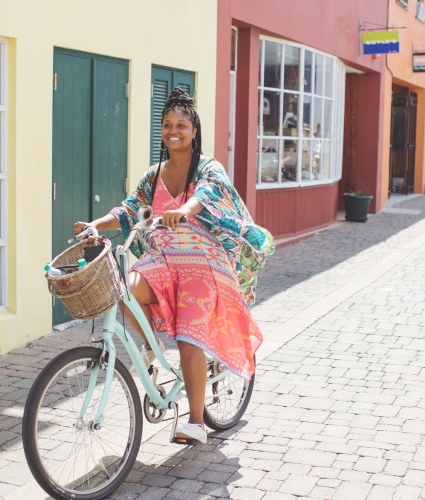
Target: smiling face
column 177, row 131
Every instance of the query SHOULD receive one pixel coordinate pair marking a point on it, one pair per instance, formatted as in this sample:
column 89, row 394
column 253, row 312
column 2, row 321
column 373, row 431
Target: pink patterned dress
column 199, row 297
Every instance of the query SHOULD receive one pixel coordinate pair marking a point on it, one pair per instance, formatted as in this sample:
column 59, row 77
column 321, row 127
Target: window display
column 301, row 115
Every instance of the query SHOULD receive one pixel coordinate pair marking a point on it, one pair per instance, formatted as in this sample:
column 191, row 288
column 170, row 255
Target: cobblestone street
column 338, row 409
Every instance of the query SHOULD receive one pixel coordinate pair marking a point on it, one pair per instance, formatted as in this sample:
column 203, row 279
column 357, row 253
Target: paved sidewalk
column 338, row 410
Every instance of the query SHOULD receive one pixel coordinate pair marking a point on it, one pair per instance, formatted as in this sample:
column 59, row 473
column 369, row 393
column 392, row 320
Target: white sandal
column 192, row 431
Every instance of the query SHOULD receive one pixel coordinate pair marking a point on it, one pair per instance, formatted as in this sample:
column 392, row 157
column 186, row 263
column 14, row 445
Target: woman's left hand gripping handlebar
column 172, row 218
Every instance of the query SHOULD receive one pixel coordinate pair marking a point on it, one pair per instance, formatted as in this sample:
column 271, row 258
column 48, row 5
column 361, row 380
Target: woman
column 197, row 280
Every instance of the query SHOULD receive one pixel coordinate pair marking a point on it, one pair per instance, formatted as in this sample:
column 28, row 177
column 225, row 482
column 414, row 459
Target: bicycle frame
column 112, row 327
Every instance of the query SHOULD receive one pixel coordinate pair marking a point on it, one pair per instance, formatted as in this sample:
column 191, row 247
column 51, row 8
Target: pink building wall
column 332, row 27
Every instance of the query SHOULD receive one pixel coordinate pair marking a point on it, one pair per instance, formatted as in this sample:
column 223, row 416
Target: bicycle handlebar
column 87, row 231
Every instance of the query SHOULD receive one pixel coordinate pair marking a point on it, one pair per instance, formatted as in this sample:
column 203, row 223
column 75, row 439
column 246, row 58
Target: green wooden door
column 110, row 116
column 164, row 80
column 90, row 115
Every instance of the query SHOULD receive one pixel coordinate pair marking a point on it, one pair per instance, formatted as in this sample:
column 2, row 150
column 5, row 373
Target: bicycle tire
column 218, row 404
column 45, row 399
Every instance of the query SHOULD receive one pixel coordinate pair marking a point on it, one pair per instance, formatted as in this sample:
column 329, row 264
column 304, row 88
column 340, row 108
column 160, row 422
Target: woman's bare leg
column 194, row 368
column 143, row 293
column 192, row 358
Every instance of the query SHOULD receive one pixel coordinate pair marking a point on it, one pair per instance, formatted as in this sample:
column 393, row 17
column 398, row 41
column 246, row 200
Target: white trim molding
column 3, row 172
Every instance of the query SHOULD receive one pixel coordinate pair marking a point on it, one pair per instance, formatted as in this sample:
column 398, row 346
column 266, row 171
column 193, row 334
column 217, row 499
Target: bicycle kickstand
column 173, row 438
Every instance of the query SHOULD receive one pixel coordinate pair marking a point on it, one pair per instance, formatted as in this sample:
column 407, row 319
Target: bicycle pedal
column 188, row 442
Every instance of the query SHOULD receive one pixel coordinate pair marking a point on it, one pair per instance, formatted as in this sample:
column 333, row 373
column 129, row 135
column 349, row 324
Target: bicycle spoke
column 78, row 458
column 231, row 391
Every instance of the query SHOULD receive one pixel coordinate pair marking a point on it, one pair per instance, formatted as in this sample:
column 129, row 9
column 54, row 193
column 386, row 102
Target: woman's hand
column 105, row 223
column 172, row 218
column 79, row 226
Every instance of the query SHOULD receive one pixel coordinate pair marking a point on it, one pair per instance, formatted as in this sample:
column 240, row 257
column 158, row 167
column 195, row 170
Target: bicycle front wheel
column 67, row 457
column 227, row 399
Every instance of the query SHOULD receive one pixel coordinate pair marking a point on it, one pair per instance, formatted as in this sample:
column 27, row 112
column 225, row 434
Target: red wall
column 327, row 25
column 289, row 212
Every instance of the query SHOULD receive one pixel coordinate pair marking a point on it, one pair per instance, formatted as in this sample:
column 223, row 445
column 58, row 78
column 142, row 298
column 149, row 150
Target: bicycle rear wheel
column 227, row 399
column 68, row 459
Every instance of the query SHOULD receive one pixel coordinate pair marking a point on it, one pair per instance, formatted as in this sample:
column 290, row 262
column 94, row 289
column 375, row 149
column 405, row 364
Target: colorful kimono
column 204, row 274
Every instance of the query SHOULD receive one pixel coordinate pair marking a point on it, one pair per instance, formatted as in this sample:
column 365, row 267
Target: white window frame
column 232, row 113
column 3, row 170
column 337, row 117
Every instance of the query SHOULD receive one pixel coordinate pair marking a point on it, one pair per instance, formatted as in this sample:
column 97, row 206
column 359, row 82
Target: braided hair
column 181, row 101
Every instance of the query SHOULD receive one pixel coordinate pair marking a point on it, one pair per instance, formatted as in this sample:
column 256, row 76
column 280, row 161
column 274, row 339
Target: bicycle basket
column 91, row 291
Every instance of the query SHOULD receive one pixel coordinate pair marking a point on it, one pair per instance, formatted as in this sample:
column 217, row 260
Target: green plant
column 358, row 192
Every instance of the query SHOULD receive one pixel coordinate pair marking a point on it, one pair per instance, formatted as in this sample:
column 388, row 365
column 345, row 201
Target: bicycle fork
column 95, row 424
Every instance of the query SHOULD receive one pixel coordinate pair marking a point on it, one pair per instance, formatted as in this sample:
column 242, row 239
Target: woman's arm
column 105, row 223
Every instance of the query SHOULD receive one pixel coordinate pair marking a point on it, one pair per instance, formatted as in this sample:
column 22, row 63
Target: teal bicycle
column 83, row 419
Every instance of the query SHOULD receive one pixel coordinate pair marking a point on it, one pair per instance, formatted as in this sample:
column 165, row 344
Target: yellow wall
column 164, row 32
column 401, row 73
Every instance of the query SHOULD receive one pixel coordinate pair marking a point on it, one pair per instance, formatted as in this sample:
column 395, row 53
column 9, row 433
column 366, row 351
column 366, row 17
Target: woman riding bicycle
column 196, row 281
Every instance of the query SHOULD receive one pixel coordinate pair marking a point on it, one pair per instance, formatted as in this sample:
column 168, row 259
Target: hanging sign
column 419, row 62
column 381, row 42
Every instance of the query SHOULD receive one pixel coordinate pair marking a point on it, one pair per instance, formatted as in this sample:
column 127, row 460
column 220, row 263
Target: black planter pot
column 356, row 207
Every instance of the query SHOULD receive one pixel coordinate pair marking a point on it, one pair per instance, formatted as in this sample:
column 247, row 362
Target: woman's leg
column 194, row 368
column 143, row 293
column 193, row 360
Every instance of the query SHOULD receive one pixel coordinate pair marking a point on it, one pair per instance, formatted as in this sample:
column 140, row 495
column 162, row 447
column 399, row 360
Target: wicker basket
column 91, row 291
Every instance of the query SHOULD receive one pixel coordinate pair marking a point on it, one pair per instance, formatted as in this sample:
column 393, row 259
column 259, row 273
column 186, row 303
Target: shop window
column 420, row 10
column 3, row 158
column 300, row 116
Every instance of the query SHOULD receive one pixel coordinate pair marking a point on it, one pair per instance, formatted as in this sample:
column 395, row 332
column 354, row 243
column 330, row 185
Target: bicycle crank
column 153, row 414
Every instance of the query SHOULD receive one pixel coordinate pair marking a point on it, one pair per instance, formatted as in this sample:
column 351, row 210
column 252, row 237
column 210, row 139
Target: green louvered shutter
column 163, row 81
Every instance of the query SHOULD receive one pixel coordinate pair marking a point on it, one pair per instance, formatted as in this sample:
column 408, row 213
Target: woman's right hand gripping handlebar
column 106, row 223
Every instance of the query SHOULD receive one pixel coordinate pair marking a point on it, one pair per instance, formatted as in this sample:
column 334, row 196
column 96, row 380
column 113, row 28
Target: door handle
column 96, row 198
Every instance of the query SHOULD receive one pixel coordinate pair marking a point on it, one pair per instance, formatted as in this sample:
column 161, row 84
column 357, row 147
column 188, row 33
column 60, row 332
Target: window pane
column 318, row 75
column 260, row 49
column 327, row 118
column 271, row 107
column 292, row 68
column 305, row 159
column 328, row 77
column 307, row 116
column 272, row 64
column 316, row 163
column 290, row 114
column 233, row 51
column 259, row 113
column 269, row 160
column 289, row 161
column 317, row 119
column 308, row 69
column 258, row 160
column 326, row 156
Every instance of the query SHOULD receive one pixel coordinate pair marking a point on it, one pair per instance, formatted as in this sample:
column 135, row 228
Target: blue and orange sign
column 381, row 42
